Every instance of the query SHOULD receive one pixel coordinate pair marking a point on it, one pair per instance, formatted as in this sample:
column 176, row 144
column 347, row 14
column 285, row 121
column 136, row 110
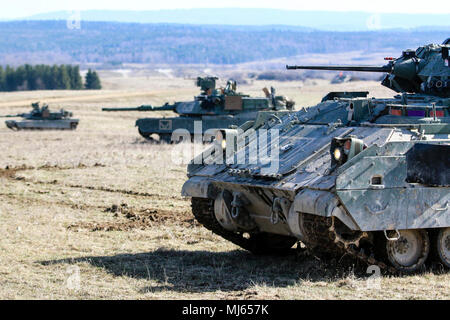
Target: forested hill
column 109, row 42
column 321, row 20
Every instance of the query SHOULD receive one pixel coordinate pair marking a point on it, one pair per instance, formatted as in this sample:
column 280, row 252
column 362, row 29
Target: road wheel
column 165, row 137
column 410, row 251
column 145, row 135
column 441, row 246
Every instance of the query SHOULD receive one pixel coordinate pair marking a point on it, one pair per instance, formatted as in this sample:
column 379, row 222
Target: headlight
column 226, row 139
column 343, row 149
column 337, row 154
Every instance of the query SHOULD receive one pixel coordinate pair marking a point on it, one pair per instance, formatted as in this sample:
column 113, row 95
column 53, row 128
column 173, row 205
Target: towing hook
column 392, row 239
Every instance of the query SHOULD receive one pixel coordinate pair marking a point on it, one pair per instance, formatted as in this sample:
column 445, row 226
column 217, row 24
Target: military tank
column 41, row 118
column 356, row 175
column 214, row 108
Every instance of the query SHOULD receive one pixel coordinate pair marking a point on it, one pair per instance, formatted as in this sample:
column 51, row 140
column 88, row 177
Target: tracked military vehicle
column 41, row 118
column 352, row 175
column 214, row 108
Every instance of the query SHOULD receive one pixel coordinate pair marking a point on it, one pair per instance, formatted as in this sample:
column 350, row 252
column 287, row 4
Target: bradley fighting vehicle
column 41, row 118
column 352, row 175
column 213, row 108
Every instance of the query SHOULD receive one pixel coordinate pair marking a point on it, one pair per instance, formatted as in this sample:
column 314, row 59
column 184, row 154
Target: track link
column 323, row 241
column 321, row 238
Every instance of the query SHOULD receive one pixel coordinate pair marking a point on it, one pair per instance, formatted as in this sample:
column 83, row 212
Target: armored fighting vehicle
column 214, row 108
column 351, row 175
column 41, row 118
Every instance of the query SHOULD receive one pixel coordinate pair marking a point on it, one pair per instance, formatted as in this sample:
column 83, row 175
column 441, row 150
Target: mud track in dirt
column 104, row 189
column 10, row 173
column 128, row 218
column 131, row 218
column 72, row 205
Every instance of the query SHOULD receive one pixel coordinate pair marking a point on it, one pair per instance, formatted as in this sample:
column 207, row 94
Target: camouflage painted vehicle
column 41, row 118
column 353, row 175
column 213, row 109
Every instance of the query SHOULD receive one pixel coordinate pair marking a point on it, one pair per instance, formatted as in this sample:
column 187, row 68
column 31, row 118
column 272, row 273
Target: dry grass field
column 97, row 213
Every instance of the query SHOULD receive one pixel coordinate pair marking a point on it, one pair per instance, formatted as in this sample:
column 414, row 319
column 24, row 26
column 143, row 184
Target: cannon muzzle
column 386, row 68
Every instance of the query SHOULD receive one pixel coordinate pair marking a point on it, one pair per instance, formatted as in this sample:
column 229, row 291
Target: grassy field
column 97, row 213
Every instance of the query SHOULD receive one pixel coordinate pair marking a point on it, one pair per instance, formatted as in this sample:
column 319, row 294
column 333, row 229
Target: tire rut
column 10, row 173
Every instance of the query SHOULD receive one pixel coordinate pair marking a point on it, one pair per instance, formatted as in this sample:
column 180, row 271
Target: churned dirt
column 129, row 219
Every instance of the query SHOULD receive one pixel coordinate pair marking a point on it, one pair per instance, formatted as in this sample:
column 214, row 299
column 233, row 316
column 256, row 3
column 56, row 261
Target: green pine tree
column 47, row 77
column 76, row 83
column 31, row 77
column 92, row 81
column 21, row 78
column 52, row 78
column 63, row 79
column 2, row 79
column 10, row 79
column 40, row 76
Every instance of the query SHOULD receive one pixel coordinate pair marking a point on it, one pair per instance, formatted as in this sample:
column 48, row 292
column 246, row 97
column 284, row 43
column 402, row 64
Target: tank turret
column 206, row 84
column 425, row 70
column 214, row 107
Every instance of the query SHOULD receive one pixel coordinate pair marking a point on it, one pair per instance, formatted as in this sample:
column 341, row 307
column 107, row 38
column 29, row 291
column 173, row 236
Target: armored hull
column 66, row 124
column 399, row 182
column 352, row 175
column 165, row 127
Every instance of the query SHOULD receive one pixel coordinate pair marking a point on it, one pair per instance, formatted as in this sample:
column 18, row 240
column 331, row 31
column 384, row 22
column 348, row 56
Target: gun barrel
column 11, row 116
column 141, row 108
column 386, row 68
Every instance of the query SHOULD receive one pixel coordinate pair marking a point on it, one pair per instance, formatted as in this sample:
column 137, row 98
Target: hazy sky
column 22, row 8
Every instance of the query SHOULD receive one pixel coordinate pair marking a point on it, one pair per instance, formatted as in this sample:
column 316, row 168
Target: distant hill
column 114, row 43
column 322, row 20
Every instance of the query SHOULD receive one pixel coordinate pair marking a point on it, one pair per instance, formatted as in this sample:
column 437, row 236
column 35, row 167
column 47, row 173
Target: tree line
column 46, row 77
